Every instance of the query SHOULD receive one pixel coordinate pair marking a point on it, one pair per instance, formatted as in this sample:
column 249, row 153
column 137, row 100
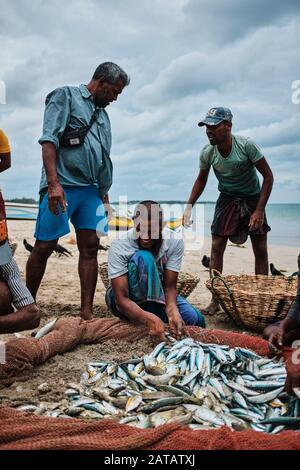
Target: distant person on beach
column 143, row 267
column 76, row 176
column 240, row 208
column 13, row 291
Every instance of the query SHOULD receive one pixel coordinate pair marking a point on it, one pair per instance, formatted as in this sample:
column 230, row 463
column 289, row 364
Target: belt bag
column 75, row 137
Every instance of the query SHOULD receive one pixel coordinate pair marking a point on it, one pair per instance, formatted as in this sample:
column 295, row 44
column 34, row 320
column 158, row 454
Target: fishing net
column 19, row 430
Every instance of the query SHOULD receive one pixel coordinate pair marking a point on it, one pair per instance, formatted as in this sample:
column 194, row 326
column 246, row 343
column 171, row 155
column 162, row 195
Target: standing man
column 13, row 292
column 240, row 208
column 76, row 175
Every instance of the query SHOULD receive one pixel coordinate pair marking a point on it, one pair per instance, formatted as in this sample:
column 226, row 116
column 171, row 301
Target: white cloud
column 183, row 56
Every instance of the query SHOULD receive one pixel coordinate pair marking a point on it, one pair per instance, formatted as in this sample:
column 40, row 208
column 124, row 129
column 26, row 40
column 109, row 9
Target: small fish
column 157, row 404
column 133, row 403
column 46, row 329
column 266, row 397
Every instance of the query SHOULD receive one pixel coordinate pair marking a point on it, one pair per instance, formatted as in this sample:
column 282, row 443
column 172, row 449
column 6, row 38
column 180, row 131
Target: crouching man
column 14, row 293
column 287, row 332
column 143, row 267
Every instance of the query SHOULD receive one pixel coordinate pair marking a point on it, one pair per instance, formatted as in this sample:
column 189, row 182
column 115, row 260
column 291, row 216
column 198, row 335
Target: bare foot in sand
column 86, row 315
column 213, row 307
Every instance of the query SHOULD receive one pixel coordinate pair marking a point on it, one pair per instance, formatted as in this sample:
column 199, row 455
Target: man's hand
column 108, row 211
column 276, row 339
column 256, row 220
column 186, row 218
column 56, row 198
column 176, row 323
column 157, row 330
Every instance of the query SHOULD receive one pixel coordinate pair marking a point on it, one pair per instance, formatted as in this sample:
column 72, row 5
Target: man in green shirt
column 240, row 209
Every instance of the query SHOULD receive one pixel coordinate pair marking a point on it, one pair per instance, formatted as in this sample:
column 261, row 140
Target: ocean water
column 284, row 220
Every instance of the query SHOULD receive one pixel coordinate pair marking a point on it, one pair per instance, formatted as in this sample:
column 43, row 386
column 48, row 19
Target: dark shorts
column 232, row 217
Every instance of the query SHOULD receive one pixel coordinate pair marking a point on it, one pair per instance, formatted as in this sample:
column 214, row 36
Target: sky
column 183, row 57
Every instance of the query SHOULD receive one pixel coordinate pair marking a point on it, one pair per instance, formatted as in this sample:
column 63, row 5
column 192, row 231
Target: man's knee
column 89, row 248
column 44, row 249
column 32, row 316
column 5, row 299
column 190, row 314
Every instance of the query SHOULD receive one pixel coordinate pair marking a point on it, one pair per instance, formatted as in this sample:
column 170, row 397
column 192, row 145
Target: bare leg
column 260, row 250
column 216, row 262
column 26, row 318
column 37, row 263
column 88, row 243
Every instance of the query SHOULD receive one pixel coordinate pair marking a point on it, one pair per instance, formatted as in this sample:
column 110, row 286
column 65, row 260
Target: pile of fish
column 201, row 385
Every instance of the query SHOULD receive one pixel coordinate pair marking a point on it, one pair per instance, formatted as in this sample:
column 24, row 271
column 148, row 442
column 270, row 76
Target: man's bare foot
column 212, row 308
column 86, row 315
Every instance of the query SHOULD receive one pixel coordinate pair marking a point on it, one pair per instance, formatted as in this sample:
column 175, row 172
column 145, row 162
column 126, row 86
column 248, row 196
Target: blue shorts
column 85, row 209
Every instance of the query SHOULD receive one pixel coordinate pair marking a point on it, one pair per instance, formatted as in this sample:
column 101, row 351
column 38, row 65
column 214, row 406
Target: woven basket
column 186, row 282
column 254, row 301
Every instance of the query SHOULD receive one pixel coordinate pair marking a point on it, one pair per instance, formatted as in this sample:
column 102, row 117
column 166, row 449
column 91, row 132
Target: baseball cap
column 216, row 115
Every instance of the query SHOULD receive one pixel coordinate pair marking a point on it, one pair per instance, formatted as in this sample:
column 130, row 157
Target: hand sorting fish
column 187, row 382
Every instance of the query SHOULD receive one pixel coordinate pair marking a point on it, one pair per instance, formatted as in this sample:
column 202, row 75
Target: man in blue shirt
column 76, row 179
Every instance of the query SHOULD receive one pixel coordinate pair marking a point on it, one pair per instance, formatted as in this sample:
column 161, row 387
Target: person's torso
column 236, row 173
column 89, row 163
column 126, row 246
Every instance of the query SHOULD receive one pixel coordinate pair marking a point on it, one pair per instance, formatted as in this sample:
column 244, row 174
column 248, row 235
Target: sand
column 59, row 295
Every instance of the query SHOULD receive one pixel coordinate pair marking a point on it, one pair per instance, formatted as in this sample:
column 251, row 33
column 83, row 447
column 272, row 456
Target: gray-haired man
column 76, row 176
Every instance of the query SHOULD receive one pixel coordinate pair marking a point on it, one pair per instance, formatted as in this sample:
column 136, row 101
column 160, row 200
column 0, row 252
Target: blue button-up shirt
column 88, row 164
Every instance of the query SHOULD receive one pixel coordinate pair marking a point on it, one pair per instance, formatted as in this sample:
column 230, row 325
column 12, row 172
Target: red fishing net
column 23, row 431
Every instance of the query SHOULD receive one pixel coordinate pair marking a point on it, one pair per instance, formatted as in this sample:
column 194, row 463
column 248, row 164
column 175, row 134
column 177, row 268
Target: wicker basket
column 254, row 301
column 186, row 282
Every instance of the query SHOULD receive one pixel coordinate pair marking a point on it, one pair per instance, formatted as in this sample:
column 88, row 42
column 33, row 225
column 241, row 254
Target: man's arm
column 175, row 321
column 5, row 161
column 197, row 190
column 133, row 312
column 257, row 218
column 56, row 118
column 56, row 195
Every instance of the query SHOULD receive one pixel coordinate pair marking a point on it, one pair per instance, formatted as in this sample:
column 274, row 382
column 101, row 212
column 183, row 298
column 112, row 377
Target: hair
column 111, row 73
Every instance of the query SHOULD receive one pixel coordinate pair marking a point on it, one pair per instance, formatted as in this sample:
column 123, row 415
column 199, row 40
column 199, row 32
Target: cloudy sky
column 183, row 57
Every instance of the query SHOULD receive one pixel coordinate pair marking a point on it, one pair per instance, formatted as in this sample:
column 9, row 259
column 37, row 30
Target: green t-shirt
column 236, row 173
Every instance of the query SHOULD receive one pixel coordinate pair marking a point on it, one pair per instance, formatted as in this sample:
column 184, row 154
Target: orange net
column 23, row 431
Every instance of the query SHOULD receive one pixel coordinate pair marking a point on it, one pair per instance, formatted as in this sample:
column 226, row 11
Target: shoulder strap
column 93, row 118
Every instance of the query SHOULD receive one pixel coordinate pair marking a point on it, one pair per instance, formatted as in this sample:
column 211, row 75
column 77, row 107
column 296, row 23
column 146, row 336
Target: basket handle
column 214, row 272
column 219, row 277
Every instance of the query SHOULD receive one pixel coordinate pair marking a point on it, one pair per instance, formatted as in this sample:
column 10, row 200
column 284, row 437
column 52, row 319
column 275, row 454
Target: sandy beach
column 60, row 289
column 59, row 296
